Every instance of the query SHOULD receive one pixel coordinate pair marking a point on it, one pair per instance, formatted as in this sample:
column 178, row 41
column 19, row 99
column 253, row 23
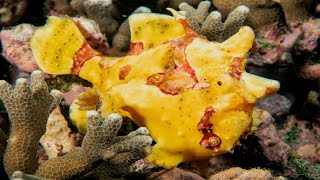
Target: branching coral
column 120, row 165
column 210, row 25
column 262, row 12
column 29, row 107
column 16, row 47
column 103, row 12
column 99, row 143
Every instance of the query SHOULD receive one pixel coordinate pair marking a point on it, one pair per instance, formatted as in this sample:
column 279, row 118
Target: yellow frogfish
column 193, row 95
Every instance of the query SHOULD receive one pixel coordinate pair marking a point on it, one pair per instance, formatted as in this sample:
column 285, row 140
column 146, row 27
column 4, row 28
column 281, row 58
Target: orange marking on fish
column 84, row 54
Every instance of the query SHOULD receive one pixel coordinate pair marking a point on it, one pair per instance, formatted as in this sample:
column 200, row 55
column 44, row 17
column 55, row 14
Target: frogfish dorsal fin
column 59, row 47
column 154, row 29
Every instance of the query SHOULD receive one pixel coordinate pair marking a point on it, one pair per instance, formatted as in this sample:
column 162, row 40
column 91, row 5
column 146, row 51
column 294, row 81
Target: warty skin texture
column 173, row 81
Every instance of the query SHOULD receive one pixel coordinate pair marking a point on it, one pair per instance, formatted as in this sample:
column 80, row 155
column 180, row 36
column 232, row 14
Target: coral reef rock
column 91, row 32
column 276, row 105
column 275, row 150
column 264, row 147
column 177, row 173
column 310, row 151
column 16, row 47
column 220, row 163
column 11, row 11
column 58, row 7
column 57, row 140
column 239, row 173
column 70, row 96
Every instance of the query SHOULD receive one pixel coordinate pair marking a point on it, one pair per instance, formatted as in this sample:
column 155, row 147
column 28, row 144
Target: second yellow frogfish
column 193, row 95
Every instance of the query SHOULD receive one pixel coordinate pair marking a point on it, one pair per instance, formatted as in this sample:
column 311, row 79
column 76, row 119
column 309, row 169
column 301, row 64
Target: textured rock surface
column 310, row 152
column 276, row 105
column 69, row 96
column 298, row 132
column 275, row 150
column 58, row 7
column 57, row 140
column 177, row 173
column 11, row 11
column 264, row 147
column 16, row 47
column 220, row 163
column 91, row 31
column 237, row 173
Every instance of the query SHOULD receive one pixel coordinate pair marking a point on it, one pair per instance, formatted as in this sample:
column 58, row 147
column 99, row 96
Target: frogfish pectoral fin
column 59, row 47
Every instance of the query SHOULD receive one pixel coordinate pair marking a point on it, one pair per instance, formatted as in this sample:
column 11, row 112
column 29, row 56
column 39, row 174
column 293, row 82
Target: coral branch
column 211, row 25
column 99, row 143
column 29, row 107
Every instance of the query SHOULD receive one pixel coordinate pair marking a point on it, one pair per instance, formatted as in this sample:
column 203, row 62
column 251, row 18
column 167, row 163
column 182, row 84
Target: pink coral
column 72, row 94
column 275, row 45
column 311, row 34
column 16, row 47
